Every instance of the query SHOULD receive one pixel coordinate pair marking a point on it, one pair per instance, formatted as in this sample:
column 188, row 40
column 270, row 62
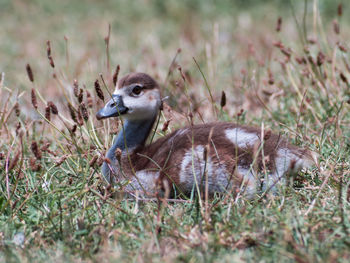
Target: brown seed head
column 286, row 51
column 320, row 58
column 61, row 160
column 48, row 113
column 93, row 160
column 80, row 118
column 340, row 9
column 90, row 102
column 336, row 27
column 115, row 75
column 48, row 48
column 223, row 99
column 30, row 73
column 279, row 24
column 344, row 78
column 98, row 90
column 190, row 115
column 36, row 150
column 278, row 44
column 34, row 100
column 81, row 96
column 53, row 107
column 342, row 48
column 311, row 60
column 72, row 112
column 181, row 73
column 74, row 128
column 45, row 147
column 300, row 60
column 33, row 165
column 18, row 127
column 14, row 161
column 76, row 88
column 84, row 111
column 52, row 64
column 17, row 110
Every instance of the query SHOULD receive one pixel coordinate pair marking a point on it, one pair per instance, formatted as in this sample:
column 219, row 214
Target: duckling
column 219, row 157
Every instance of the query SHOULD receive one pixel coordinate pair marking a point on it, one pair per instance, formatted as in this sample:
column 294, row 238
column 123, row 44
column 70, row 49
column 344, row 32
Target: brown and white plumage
column 222, row 156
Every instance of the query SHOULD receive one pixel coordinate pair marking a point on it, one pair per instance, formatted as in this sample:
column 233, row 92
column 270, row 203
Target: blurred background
column 231, row 40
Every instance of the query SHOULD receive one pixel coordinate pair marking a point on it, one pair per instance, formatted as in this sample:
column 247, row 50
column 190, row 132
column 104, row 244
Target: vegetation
column 281, row 64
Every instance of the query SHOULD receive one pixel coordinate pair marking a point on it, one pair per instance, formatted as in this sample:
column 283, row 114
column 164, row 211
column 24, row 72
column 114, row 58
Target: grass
column 54, row 203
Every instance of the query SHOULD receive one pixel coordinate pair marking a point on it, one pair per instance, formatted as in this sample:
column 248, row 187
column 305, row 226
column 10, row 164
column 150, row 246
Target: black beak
column 113, row 108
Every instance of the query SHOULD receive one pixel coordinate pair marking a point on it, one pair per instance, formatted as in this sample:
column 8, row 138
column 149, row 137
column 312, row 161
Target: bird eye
column 137, row 90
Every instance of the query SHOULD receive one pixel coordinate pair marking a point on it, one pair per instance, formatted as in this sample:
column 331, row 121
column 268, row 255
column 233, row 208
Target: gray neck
column 132, row 135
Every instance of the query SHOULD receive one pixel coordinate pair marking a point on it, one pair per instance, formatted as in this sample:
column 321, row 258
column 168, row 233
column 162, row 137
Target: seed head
column 76, row 88
column 239, row 114
column 340, row 9
column 81, row 96
column 53, row 107
column 61, row 160
column 52, row 64
column 18, row 127
column 34, row 100
column 279, row 24
column 93, row 160
column 45, row 147
column 336, row 27
column 223, row 99
column 72, row 112
column 48, row 113
column 181, row 73
column 115, row 75
column 48, row 49
column 320, row 58
column 30, row 73
column 98, row 90
column 17, row 110
column 300, row 60
column 344, row 78
column 36, row 150
column 342, row 48
column 80, row 118
column 90, row 102
column 74, row 128
column 14, row 161
column 84, row 111
column 286, row 51
column 33, row 165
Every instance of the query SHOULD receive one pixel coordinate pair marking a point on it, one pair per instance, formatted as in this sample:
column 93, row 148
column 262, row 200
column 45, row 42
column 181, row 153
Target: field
column 282, row 65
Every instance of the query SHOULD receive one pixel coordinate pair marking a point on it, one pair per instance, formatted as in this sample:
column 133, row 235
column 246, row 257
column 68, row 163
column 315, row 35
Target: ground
column 281, row 64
